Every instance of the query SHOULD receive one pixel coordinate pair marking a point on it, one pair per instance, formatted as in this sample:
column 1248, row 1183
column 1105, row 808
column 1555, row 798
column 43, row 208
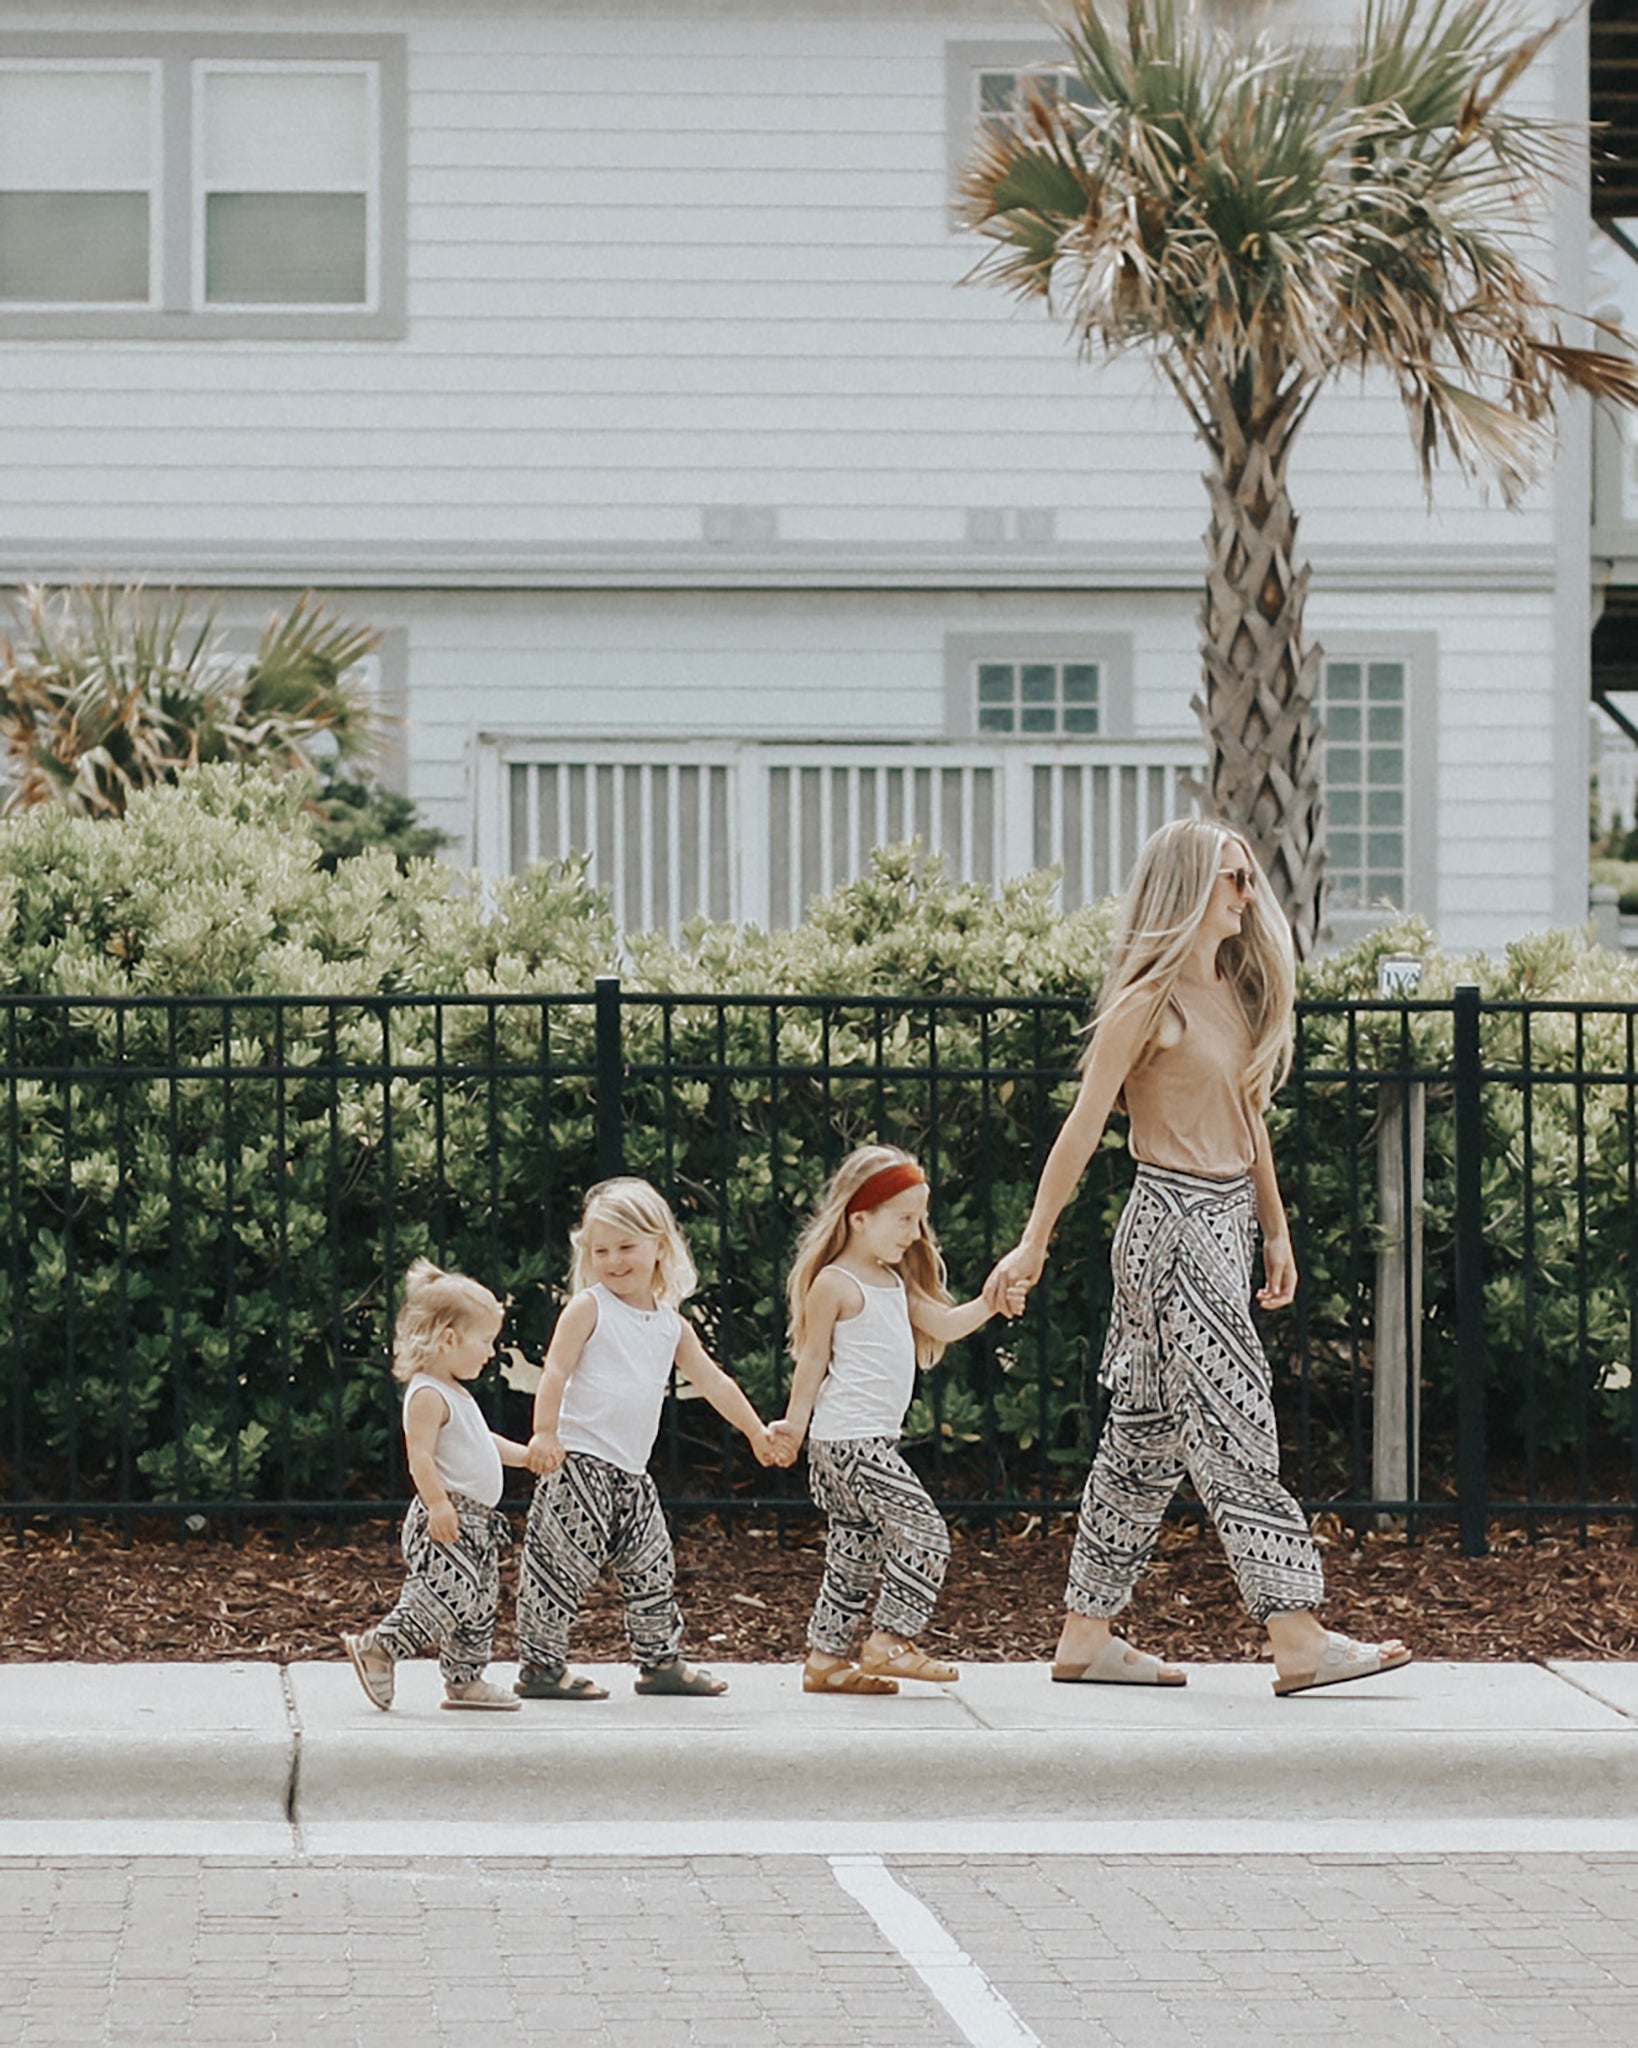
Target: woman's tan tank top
column 1187, row 1102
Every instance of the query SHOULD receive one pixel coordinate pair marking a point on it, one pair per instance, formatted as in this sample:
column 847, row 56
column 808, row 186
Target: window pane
column 1039, row 719
column 1344, row 849
column 995, row 720
column 1387, row 680
column 1390, row 885
column 1038, row 683
column 74, row 130
column 286, row 131
column 74, row 248
column 994, row 685
column 1080, row 683
column 1342, row 680
column 1343, row 806
column 997, row 91
column 1342, row 722
column 1384, row 849
column 1387, row 807
column 1341, row 764
column 1081, row 718
column 290, row 249
column 1386, row 765
column 1387, row 722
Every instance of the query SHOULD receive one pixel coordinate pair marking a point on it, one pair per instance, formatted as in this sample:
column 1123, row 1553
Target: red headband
column 883, row 1186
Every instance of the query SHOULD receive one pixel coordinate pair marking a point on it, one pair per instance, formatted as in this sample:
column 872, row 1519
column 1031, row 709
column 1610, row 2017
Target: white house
column 616, row 360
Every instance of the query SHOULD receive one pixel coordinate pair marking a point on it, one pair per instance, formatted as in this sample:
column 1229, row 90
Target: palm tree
column 1261, row 218
column 105, row 691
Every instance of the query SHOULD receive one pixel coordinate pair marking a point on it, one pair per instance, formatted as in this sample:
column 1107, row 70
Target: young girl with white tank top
column 868, row 1303
column 455, row 1530
column 597, row 1413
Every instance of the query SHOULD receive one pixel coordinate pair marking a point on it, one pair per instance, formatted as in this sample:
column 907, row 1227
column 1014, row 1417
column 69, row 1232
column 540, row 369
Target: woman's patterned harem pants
column 881, row 1520
column 452, row 1594
column 585, row 1515
column 1190, row 1393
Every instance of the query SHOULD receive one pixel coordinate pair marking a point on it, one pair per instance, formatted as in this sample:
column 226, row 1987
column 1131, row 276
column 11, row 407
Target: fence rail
column 208, row 1204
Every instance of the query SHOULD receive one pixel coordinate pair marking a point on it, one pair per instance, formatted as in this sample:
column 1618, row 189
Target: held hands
column 765, row 1445
column 1007, row 1290
column 545, row 1452
column 784, row 1441
column 1280, row 1269
column 443, row 1523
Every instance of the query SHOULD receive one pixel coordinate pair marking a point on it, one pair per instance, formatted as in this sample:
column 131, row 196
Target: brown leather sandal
column 906, row 1661
column 844, row 1678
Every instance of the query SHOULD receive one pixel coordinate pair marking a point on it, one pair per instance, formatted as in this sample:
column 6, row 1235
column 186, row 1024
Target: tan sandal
column 906, row 1661
column 845, row 1678
column 1343, row 1661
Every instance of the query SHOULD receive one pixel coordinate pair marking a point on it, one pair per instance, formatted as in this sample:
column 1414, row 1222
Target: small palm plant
column 107, row 690
column 1262, row 218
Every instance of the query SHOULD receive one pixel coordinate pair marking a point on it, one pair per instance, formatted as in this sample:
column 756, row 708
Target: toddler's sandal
column 677, row 1680
column 479, row 1694
column 907, row 1661
column 845, row 1678
column 535, row 1682
column 374, row 1667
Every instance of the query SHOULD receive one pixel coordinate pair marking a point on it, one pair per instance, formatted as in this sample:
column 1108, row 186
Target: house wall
column 692, row 429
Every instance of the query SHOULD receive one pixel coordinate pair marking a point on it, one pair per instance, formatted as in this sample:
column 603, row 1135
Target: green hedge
column 196, row 1288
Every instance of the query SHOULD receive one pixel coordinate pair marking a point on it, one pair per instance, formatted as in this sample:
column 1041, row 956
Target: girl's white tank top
column 465, row 1455
column 611, row 1406
column 872, row 1373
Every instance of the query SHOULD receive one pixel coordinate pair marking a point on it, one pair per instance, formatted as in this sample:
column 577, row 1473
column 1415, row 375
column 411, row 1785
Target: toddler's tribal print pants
column 585, row 1515
column 1190, row 1392
column 452, row 1593
column 880, row 1520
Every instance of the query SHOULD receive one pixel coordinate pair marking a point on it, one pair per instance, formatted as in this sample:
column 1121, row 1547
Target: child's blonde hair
column 1165, row 905
column 825, row 1238
column 435, row 1302
column 634, row 1205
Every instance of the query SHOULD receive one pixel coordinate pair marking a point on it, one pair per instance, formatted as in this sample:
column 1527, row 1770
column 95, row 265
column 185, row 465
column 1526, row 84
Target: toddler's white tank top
column 465, row 1455
column 611, row 1406
column 872, row 1371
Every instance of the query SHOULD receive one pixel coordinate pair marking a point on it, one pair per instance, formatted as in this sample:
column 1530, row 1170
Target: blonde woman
column 1191, row 1039
column 868, row 1304
column 597, row 1413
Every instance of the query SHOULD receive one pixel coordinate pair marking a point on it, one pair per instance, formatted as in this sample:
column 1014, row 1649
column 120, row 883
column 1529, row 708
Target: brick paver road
column 775, row 1952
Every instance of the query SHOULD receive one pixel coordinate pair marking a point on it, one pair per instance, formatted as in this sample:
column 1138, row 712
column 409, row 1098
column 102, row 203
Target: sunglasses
column 1244, row 879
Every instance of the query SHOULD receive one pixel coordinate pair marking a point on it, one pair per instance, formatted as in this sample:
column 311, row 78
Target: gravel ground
column 746, row 1595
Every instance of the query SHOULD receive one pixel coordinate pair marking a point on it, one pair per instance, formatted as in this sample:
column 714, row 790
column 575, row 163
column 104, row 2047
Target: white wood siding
column 661, row 258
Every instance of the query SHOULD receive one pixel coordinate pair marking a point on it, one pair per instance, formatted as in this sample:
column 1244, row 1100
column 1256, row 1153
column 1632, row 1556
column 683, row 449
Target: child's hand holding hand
column 786, row 1440
column 443, row 1524
column 766, row 1447
column 545, row 1452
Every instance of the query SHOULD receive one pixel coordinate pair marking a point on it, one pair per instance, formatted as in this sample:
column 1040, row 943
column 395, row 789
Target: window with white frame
column 1364, row 707
column 999, row 91
column 171, row 186
column 1057, row 699
column 986, row 82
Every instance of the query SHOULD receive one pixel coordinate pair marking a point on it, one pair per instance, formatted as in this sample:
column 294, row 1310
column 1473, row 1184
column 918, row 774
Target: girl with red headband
column 868, row 1304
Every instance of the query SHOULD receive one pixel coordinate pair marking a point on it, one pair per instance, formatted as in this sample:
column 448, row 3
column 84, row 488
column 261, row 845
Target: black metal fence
column 208, row 1205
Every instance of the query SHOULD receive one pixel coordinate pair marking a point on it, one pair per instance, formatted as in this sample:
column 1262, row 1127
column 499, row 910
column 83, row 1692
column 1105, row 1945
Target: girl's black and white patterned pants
column 1191, row 1393
column 452, row 1594
column 881, row 1520
column 585, row 1515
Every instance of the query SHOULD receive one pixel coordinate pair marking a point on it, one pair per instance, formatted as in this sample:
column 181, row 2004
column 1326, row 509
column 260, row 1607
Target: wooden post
column 1397, row 1403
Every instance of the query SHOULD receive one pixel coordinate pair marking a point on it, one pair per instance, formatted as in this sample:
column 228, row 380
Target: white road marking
column 942, row 1964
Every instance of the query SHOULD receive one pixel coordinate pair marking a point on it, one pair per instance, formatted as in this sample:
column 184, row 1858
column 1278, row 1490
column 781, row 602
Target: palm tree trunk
column 1258, row 670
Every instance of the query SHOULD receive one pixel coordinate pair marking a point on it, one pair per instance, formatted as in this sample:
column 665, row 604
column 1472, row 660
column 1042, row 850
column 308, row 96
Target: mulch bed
column 91, row 1598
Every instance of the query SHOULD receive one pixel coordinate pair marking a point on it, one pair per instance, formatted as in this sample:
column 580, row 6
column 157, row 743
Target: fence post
column 1471, row 1478
column 1396, row 1386
column 610, row 1080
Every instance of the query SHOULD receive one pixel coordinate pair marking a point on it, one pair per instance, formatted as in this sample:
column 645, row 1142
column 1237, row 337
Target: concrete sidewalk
column 93, row 1753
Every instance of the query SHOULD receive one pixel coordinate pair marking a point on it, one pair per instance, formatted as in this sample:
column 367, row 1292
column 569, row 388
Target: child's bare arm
column 423, row 1419
column 545, row 1448
column 724, row 1393
column 946, row 1322
column 827, row 1297
column 511, row 1452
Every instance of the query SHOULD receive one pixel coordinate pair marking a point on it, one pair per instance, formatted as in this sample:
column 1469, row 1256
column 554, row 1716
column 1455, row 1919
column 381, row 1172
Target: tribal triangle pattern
column 452, row 1594
column 586, row 1515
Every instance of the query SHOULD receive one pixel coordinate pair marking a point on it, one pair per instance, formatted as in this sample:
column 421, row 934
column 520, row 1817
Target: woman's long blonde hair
column 825, row 1238
column 435, row 1302
column 1165, row 905
column 631, row 1204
